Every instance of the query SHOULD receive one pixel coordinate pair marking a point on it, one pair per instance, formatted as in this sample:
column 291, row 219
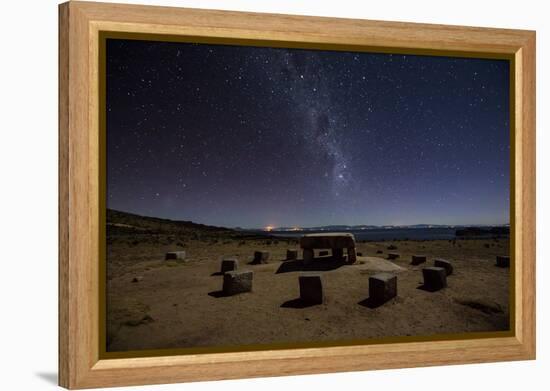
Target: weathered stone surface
column 435, row 278
column 229, row 264
column 328, row 240
column 448, row 266
column 418, row 259
column 311, row 288
column 382, row 287
column 503, row 261
column 237, row 281
column 393, row 255
column 322, row 253
column 291, row 255
column 175, row 256
column 261, row 256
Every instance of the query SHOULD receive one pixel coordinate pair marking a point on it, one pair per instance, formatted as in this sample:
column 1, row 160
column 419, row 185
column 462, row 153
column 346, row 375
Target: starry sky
column 242, row 136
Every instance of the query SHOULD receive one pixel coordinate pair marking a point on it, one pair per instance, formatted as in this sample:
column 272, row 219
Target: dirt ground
column 156, row 304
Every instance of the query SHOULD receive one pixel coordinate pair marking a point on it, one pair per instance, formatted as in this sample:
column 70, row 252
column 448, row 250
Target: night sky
column 249, row 137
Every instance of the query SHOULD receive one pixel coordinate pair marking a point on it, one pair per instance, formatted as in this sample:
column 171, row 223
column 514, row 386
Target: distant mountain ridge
column 367, row 227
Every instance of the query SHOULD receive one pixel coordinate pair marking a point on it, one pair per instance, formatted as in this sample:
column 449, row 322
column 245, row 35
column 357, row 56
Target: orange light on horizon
column 269, row 228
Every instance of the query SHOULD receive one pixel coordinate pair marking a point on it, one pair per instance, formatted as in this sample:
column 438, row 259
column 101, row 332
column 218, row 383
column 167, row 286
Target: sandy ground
column 154, row 304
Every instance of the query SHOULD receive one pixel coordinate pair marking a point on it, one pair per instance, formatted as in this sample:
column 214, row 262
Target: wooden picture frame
column 80, row 23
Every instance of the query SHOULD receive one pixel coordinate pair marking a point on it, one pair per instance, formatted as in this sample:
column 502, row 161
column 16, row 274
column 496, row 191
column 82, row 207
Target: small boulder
column 393, row 255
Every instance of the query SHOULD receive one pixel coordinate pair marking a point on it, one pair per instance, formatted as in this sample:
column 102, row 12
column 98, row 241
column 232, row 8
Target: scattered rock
column 393, row 255
column 392, row 247
column 137, row 279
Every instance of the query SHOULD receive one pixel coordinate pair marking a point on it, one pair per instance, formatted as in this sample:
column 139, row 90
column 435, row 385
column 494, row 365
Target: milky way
column 243, row 136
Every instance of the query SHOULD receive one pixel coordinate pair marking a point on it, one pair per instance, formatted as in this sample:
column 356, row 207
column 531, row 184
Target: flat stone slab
column 435, row 278
column 175, row 256
column 328, row 240
column 382, row 288
column 448, row 266
column 261, row 257
column 311, row 288
column 418, row 259
column 237, row 281
column 393, row 255
column 229, row 264
column 503, row 261
column 291, row 255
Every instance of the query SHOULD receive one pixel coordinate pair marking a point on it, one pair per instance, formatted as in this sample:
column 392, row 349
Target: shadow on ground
column 318, row 264
column 297, row 303
column 48, row 377
column 370, row 303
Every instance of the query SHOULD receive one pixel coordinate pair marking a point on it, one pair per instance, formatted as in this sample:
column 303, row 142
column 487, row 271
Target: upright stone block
column 175, row 256
column 503, row 261
column 311, row 288
column 448, row 266
column 261, row 256
column 291, row 255
column 418, row 259
column 229, row 264
column 382, row 288
column 435, row 278
column 393, row 255
column 308, row 255
column 352, row 255
column 237, row 281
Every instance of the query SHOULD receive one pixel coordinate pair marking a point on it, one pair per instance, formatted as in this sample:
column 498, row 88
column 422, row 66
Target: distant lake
column 386, row 234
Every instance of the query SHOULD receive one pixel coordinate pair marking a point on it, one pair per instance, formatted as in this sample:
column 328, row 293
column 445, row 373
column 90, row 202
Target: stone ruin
column 336, row 242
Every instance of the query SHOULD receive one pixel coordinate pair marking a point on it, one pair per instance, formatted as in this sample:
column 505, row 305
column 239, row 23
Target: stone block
column 261, row 256
column 418, row 259
column 448, row 266
column 175, row 256
column 435, row 278
column 229, row 264
column 311, row 288
column 237, row 281
column 382, row 287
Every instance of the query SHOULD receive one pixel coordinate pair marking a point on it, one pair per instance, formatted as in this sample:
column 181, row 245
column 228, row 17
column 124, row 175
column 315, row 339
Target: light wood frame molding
column 80, row 364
